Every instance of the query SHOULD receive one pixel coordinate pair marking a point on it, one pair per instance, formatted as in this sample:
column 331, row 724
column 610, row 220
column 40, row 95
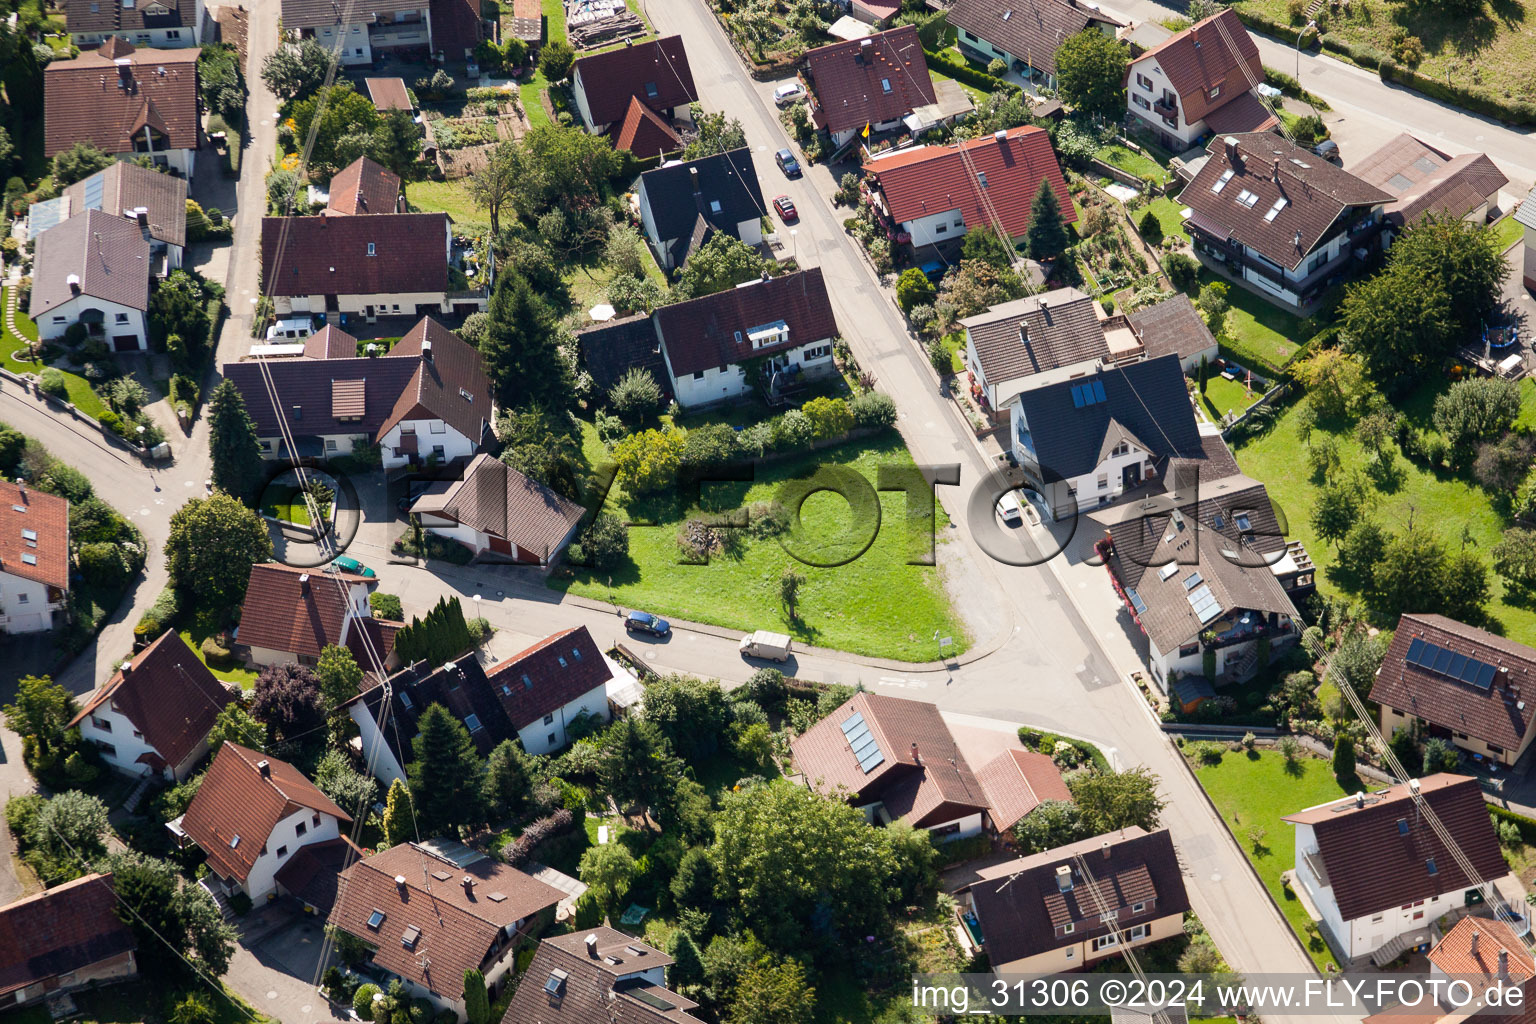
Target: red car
column 786, row 208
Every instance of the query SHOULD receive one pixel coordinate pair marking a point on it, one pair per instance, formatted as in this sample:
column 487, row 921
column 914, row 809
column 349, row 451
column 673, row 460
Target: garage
column 31, row 622
column 125, row 342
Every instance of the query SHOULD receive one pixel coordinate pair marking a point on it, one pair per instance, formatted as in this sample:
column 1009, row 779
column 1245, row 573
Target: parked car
column 787, row 94
column 787, row 163
column 1009, row 508
column 645, row 622
column 786, row 208
column 1328, row 150
column 764, row 644
column 346, row 563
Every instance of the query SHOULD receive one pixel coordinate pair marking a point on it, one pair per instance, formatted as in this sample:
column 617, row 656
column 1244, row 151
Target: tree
column 1375, row 431
column 348, row 127
column 773, row 992
column 193, row 1008
column 1182, row 271
column 352, row 791
column 1046, row 236
column 637, row 767
column 605, row 543
column 648, row 461
column 983, row 243
column 687, row 972
column 1051, row 824
column 477, row 1003
column 714, row 133
column 238, row 468
column 1464, row 592
column 608, row 871
column 830, row 417
column 337, row 674
column 1476, row 409
column 555, row 59
column 1151, row 228
column 399, row 822
column 1501, row 465
column 397, row 143
column 720, row 263
column 178, row 307
column 446, row 775
column 1336, row 509
column 287, row 701
column 690, row 713
column 1514, row 559
column 544, row 447
column 72, row 827
column 561, row 166
column 1465, row 258
column 521, row 353
column 505, row 789
column 1440, row 756
column 635, row 395
column 220, row 82
column 914, row 289
column 234, row 723
column 162, row 913
column 294, row 71
column 1111, row 801
column 977, row 286
column 1090, row 72
column 440, row 637
column 78, row 162
column 1335, row 381
column 494, row 184
column 1343, row 757
column 1213, row 305
column 40, row 713
column 1417, row 571
column 790, row 583
column 213, row 543
column 1400, row 327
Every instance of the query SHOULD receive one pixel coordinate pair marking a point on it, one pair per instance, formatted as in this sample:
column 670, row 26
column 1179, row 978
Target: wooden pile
column 601, row 31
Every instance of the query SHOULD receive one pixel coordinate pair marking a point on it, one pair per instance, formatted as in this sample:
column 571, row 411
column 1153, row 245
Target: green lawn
column 1507, row 232
column 1132, row 162
column 140, row 1003
column 531, row 89
column 955, row 342
column 202, row 626
column 1257, row 791
column 1167, row 212
column 554, row 19
column 80, row 393
column 589, row 283
column 1261, row 333
column 450, row 197
column 875, row 605
column 1223, row 396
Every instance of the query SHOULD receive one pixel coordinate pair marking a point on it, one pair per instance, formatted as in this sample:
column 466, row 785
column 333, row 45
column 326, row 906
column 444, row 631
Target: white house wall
column 548, row 735
column 578, row 90
column 429, row 435
column 121, row 735
column 717, row 385
column 387, row 304
column 24, row 606
column 55, row 322
column 936, row 227
column 1185, row 131
column 375, row 750
column 262, row 877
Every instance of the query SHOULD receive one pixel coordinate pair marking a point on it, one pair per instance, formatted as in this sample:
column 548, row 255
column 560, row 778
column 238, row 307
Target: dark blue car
column 645, row 622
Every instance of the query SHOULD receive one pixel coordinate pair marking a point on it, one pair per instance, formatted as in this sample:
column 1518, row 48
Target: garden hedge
column 1045, row 743
column 961, row 71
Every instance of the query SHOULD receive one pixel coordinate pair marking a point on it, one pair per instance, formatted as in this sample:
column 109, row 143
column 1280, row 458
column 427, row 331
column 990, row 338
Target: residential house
column 611, row 349
column 34, row 558
column 425, row 401
column 936, row 194
column 548, row 686
column 127, row 102
column 292, row 614
column 608, row 86
column 644, row 133
column 868, row 85
column 1525, row 216
column 156, row 202
column 312, row 876
column 1427, row 180
column 500, row 514
column 1025, row 33
column 1287, row 224
column 1174, row 327
column 93, row 270
column 598, row 975
column 1202, row 80
column 63, row 939
column 457, row 28
column 385, row 264
column 250, row 814
column 1482, row 954
column 152, row 717
column 429, row 919
column 784, row 323
column 1016, row 782
column 683, row 204
column 1379, row 874
column 364, row 187
column 1447, row 680
column 164, row 24
column 893, row 759
column 355, row 32
column 1068, row 908
column 388, row 94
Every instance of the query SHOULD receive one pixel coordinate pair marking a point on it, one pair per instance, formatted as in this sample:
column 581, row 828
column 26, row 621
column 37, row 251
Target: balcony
column 1166, row 106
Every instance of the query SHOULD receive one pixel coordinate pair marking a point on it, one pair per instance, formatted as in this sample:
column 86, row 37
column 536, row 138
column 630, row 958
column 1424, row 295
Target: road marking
column 1216, row 876
column 916, row 684
column 145, row 512
column 305, row 1008
column 271, row 995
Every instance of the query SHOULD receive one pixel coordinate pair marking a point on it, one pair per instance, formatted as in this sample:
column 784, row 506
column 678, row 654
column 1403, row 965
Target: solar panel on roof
column 862, row 742
column 1204, row 603
column 1192, row 581
column 1446, row 662
column 1443, row 660
column 650, row 999
column 1485, row 675
column 1458, row 665
column 853, row 723
column 1415, row 650
column 1136, row 601
column 1098, row 391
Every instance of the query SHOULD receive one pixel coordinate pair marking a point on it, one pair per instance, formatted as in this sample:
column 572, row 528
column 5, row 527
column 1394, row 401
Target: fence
column 1278, row 393
column 1124, row 177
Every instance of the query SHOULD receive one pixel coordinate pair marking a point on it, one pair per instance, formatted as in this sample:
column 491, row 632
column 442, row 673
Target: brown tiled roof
column 347, row 399
column 496, row 499
column 656, row 71
column 1018, row 781
column 108, row 256
column 47, row 516
column 126, row 187
column 451, row 386
column 932, row 179
column 1172, row 326
column 167, row 693
column 388, row 93
column 1031, row 30
column 1200, row 59
column 868, row 81
column 364, row 187
column 1378, row 853
column 116, row 16
column 921, row 775
column 370, row 637
column 590, row 990
column 526, row 21
column 1270, row 168
column 92, row 99
column 456, row 27
column 609, row 349
column 316, row 13
column 285, row 612
column 1242, row 113
column 548, row 675
column 710, row 332
column 1020, row 902
column 455, row 930
column 1037, row 333
column 1455, row 956
column 1427, row 180
column 64, row 929
column 329, row 255
column 313, row 872
column 330, row 342
column 1499, row 713
column 236, row 800
column 643, row 132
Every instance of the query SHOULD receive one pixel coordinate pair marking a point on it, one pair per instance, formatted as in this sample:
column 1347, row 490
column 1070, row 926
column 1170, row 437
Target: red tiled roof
column 388, row 93
column 1425, row 179
column 711, row 331
column 364, row 187
column 1028, row 29
column 64, row 929
column 450, row 386
column 93, row 99
column 167, row 693
column 330, row 342
column 1373, row 864
column 1244, row 113
column 1455, row 956
column 1200, row 59
column 454, row 928
column 644, row 133
column 237, row 805
column 313, row 873
column 868, row 81
column 591, row 991
column 456, row 27
column 932, row 179
column 496, row 499
column 285, row 612
column 28, row 510
column 1018, row 781
column 548, row 675
column 656, row 71
column 81, row 16
column 328, row 255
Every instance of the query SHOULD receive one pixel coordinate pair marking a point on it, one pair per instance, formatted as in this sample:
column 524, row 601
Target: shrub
column 792, row 430
column 386, row 606
column 52, row 382
column 104, row 563
column 636, row 395
column 939, row 357
column 874, row 410
column 605, row 542
column 214, row 652
column 362, row 1001
column 914, row 289
column 1183, row 271
column 1151, row 228
column 997, row 67
column 830, row 417
column 522, row 849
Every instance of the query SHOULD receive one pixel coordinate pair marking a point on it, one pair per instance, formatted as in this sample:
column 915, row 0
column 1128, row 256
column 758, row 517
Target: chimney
column 1297, row 240
column 1360, row 799
column 1275, row 172
column 1105, row 847
column 360, row 202
column 265, row 768
column 1001, row 135
column 127, row 668
column 916, row 757
column 1064, row 878
column 400, row 882
column 21, row 488
column 1475, row 936
column 141, row 214
column 1503, row 965
column 693, row 179
column 866, row 50
column 469, row 886
column 426, row 351
column 303, row 582
column 591, row 944
column 1232, row 156
column 73, row 280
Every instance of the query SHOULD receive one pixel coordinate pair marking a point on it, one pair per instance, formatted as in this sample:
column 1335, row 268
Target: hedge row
column 1362, row 54
column 1045, row 743
column 1526, row 825
column 961, row 71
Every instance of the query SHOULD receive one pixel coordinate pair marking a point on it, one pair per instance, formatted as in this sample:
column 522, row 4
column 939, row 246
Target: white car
column 788, row 93
column 1009, row 508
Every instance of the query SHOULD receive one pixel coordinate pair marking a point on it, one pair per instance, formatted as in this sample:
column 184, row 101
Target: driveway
column 278, row 973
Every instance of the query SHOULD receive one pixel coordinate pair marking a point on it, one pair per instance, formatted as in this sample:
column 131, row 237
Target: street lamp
column 794, row 245
column 1309, row 26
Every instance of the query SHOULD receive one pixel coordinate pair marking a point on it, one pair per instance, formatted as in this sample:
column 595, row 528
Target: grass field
column 1256, row 791
column 1167, row 212
column 1132, row 162
column 203, row 625
column 450, row 197
column 1223, row 396
column 1507, row 232
column 875, row 605
column 80, row 393
column 1261, row 333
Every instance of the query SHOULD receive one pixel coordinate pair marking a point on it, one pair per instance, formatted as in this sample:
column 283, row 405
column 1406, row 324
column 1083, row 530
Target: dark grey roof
column 116, row 16
column 124, row 187
column 460, row 686
column 608, row 350
column 729, row 179
column 315, row 13
column 1037, row 333
column 1172, row 326
column 1146, row 399
column 106, row 255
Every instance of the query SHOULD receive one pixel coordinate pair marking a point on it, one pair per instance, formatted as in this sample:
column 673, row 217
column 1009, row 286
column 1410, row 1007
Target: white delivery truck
column 763, row 644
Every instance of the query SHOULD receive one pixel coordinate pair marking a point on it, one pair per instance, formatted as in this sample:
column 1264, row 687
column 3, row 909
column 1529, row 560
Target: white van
column 1009, row 508
column 763, row 644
